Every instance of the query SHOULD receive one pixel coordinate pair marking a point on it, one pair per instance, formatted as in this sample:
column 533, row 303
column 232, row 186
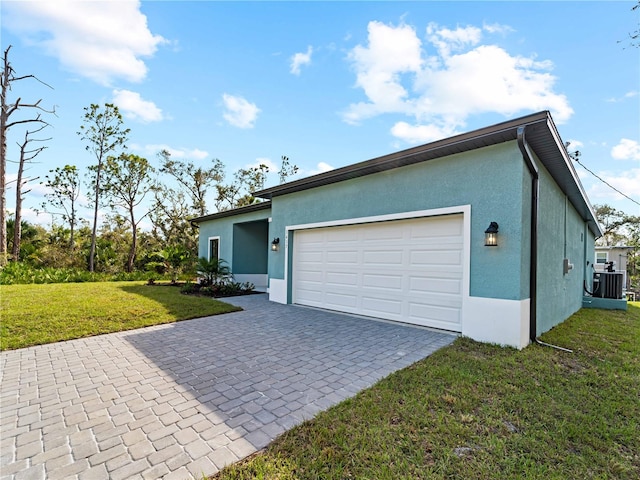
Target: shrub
column 22, row 273
column 213, row 272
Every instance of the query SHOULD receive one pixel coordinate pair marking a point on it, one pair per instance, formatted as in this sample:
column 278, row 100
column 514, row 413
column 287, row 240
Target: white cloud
column 300, row 59
column 630, row 94
column 440, row 90
column 497, row 28
column 178, row 153
column 133, row 106
column 627, row 182
column 240, row 112
column 626, row 149
column 102, row 41
column 321, row 167
column 419, row 133
column 391, row 52
column 446, row 40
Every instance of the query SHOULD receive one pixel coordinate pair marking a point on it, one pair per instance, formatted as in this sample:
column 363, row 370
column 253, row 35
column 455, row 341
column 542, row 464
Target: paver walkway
column 182, row 400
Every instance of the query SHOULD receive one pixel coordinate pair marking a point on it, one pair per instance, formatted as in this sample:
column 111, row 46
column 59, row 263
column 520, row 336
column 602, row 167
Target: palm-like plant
column 213, row 272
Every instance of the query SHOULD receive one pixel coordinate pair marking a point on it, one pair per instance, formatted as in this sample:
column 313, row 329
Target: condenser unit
column 608, row 284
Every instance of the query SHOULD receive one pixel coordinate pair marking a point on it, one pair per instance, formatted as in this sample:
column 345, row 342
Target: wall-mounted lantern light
column 275, row 245
column 491, row 235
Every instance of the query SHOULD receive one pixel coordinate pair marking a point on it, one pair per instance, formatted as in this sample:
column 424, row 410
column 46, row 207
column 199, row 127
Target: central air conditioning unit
column 608, row 284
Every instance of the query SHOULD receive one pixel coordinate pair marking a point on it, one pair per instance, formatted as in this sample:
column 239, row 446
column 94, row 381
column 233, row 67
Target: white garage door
column 404, row 270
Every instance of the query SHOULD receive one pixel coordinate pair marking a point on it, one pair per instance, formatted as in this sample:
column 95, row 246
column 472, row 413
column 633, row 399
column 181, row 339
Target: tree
column 170, row 219
column 615, row 224
column 7, row 79
column 286, row 169
column 634, row 37
column 240, row 192
column 127, row 182
column 64, row 186
column 196, row 181
column 26, row 156
column 104, row 132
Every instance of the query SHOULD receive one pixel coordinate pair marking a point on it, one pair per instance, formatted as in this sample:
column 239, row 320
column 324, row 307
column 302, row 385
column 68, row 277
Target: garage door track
column 186, row 399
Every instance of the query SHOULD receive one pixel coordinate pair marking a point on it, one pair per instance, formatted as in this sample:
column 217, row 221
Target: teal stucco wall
column 250, row 247
column 224, row 228
column 561, row 234
column 489, row 179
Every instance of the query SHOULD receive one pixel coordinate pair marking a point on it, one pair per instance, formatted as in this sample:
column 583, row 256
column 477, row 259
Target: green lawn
column 475, row 411
column 38, row 314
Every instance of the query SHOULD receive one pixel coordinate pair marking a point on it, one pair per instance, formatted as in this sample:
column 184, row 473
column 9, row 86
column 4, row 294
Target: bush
column 15, row 273
column 228, row 289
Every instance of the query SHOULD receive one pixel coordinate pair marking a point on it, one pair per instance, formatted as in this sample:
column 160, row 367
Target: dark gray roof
column 541, row 135
column 236, row 211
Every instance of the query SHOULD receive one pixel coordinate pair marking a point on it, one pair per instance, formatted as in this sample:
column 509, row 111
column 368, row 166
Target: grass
column 473, row 410
column 39, row 314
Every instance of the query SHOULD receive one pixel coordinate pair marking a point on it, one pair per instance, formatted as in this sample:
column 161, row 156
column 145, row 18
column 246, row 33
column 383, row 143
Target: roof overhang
column 541, row 135
column 235, row 211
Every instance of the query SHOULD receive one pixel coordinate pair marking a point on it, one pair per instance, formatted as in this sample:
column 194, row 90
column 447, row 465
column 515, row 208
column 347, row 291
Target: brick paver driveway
column 182, row 400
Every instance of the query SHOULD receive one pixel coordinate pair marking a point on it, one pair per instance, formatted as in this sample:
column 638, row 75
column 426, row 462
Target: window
column 214, row 247
column 601, row 257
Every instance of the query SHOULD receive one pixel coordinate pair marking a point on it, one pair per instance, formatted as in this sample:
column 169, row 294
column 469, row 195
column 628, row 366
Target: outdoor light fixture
column 491, row 235
column 275, row 245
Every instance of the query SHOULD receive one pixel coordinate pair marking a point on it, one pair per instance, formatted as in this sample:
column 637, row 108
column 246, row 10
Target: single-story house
column 489, row 234
column 618, row 254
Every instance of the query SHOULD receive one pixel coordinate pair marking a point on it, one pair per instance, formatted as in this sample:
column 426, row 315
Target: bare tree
column 194, row 180
column 287, row 169
column 104, row 132
column 7, row 108
column 26, row 156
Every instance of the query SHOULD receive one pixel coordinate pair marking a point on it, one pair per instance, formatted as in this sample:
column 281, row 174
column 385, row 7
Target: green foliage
column 103, row 132
column 16, row 273
column 174, row 260
column 194, row 180
column 228, row 289
column 215, row 271
column 63, row 194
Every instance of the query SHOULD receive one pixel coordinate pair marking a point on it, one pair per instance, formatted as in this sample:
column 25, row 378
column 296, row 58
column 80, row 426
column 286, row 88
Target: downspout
column 533, row 266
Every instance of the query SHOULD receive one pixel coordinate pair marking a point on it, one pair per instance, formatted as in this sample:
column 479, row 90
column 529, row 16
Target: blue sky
column 328, row 83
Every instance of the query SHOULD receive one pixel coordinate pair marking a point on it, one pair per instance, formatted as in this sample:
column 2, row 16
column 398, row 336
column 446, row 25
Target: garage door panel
column 393, row 282
column 419, row 285
column 438, row 227
column 306, row 276
column 341, row 278
column 431, row 257
column 432, row 312
column 341, row 300
column 374, row 305
column 384, row 233
column 382, row 257
column 344, row 257
column 405, row 270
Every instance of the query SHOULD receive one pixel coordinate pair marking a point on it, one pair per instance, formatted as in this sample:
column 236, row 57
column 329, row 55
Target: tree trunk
column 3, row 161
column 134, row 242
column 92, row 253
column 17, row 229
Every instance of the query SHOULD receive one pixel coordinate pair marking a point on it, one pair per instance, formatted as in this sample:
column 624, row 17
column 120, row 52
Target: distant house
column 618, row 255
column 488, row 233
